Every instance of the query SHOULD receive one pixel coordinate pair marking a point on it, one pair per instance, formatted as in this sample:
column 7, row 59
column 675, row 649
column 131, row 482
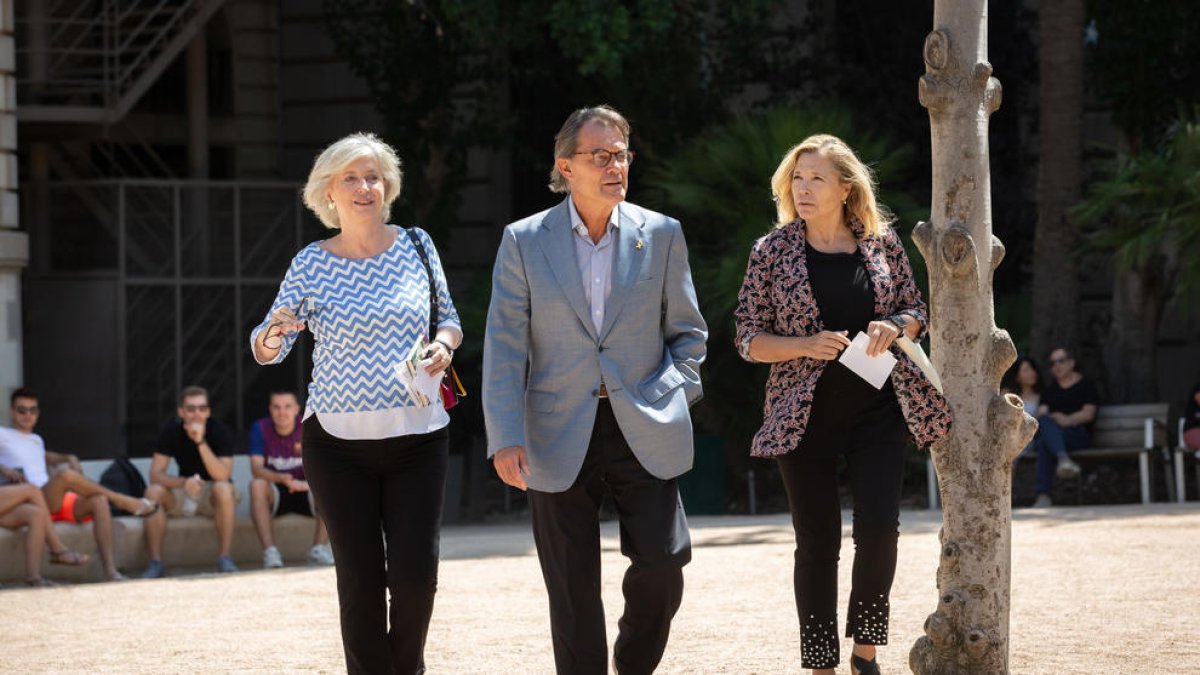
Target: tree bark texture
column 1055, row 241
column 968, row 633
column 1130, row 352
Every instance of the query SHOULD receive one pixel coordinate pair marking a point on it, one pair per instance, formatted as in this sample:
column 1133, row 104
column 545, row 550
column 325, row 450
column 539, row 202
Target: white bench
column 1180, row 451
column 1120, row 431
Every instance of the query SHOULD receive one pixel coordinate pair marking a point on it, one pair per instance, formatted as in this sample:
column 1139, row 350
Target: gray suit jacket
column 543, row 359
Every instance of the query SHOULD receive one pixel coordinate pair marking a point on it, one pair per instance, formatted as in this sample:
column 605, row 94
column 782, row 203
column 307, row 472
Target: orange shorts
column 67, row 513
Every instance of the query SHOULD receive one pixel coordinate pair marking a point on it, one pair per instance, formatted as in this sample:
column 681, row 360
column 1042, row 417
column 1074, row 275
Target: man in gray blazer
column 591, row 360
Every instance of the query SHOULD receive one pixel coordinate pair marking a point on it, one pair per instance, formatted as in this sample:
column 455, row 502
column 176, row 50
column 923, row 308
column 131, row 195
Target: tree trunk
column 1130, row 353
column 968, row 633
column 1060, row 96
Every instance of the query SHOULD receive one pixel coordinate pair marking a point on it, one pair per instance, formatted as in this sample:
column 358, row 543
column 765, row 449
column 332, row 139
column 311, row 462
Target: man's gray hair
column 566, row 141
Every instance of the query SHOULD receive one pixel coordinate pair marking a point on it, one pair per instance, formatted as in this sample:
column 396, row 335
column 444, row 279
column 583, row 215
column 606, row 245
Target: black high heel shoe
column 862, row 666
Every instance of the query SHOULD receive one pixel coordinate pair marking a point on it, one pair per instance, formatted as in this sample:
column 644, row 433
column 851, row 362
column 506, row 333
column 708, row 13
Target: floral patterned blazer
column 777, row 298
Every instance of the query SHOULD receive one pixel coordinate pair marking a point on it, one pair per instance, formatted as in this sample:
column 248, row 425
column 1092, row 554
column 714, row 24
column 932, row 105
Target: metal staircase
column 90, row 61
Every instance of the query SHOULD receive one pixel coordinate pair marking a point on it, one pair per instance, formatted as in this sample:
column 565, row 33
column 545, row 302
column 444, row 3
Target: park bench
column 1127, row 431
column 1180, row 452
column 1130, row 431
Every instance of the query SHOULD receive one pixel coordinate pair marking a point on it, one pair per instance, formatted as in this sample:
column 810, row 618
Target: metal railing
column 80, row 61
column 195, row 266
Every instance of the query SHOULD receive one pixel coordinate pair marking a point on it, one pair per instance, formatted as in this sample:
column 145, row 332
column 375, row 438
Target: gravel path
column 1100, row 590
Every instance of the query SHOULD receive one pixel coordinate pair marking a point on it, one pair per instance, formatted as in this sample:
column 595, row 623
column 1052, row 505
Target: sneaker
column 155, row 570
column 225, row 564
column 1043, row 500
column 1067, row 468
column 272, row 558
column 321, row 554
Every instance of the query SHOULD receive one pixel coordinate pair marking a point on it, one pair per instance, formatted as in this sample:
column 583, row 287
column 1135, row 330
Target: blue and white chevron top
column 365, row 315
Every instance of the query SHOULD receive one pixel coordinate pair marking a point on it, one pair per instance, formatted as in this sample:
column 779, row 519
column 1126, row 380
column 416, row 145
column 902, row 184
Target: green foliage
column 1146, row 209
column 1145, row 59
column 719, row 186
column 451, row 75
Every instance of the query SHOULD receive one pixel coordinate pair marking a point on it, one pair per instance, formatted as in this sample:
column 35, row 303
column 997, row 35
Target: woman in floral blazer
column 831, row 268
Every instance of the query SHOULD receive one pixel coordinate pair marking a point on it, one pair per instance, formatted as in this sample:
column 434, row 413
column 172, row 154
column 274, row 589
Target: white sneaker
column 272, row 558
column 321, row 554
column 1067, row 468
column 1043, row 500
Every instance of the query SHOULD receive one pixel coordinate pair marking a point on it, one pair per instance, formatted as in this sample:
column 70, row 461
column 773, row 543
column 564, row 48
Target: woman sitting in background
column 1024, row 379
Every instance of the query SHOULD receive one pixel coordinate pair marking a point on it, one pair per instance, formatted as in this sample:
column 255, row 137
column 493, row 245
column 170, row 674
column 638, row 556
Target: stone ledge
column 191, row 542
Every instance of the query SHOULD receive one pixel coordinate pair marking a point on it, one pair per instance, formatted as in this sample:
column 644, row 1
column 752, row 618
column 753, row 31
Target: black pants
column 654, row 536
column 382, row 503
column 872, row 437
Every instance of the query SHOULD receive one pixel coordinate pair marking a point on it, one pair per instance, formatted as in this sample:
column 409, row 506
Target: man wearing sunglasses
column 1065, row 416
column 203, row 450
column 591, row 360
column 70, row 496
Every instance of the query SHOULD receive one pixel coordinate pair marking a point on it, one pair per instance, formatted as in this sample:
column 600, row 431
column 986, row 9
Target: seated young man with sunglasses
column 203, row 449
column 69, row 496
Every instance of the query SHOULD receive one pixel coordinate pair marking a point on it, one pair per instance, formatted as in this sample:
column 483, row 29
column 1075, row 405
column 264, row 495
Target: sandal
column 40, row 582
column 147, row 509
column 862, row 666
column 69, row 557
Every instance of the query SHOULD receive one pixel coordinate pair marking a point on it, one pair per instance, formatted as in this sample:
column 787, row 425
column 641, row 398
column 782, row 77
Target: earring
column 331, row 205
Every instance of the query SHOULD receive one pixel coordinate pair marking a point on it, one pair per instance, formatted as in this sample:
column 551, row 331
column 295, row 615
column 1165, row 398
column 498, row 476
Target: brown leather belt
column 603, row 393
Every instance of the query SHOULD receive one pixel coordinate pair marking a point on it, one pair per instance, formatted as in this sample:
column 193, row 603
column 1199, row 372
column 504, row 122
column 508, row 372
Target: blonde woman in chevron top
column 374, row 452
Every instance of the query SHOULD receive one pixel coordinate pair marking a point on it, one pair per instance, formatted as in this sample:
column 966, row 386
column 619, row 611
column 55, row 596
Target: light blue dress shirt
column 595, row 262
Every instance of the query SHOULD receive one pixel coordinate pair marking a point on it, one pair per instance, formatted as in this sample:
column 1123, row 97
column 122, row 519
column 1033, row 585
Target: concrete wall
column 14, row 246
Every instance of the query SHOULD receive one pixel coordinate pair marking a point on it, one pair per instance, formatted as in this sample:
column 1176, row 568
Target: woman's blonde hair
column 860, row 203
column 335, row 158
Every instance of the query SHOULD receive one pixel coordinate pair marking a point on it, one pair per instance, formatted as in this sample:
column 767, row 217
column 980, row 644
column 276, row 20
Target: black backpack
column 122, row 476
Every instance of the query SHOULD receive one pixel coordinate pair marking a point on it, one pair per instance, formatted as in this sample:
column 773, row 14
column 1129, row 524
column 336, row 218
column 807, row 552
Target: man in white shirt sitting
column 70, row 496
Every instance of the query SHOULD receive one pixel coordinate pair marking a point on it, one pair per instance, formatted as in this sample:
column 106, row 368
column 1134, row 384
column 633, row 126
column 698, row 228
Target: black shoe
column 862, row 666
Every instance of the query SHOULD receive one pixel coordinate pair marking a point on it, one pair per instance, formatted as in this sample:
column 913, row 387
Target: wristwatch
column 446, row 345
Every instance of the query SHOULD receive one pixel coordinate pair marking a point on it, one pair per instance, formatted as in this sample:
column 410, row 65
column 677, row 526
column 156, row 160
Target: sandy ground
column 1100, row 590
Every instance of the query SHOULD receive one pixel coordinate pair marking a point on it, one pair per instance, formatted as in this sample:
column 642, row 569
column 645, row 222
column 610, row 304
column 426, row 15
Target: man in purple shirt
column 275, row 460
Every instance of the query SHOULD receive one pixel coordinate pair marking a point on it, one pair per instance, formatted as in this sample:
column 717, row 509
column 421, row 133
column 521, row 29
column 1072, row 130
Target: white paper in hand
column 873, row 369
column 411, row 373
column 917, row 354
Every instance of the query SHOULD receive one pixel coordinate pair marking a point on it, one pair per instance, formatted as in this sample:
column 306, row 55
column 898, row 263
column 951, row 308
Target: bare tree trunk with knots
column 968, row 632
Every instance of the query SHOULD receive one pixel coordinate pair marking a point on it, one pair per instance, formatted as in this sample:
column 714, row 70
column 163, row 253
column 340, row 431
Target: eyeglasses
column 26, row 410
column 602, row 157
column 1055, row 362
column 195, row 408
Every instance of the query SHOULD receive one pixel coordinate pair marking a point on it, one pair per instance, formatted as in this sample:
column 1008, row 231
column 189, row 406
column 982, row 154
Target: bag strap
column 433, row 305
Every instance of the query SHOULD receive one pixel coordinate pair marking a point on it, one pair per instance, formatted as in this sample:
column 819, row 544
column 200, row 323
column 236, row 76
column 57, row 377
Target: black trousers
column 654, row 536
column 382, row 503
column 873, row 438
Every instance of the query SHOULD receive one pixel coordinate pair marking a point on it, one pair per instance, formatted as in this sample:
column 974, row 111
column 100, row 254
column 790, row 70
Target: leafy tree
column 1146, row 213
column 452, row 75
column 1144, row 62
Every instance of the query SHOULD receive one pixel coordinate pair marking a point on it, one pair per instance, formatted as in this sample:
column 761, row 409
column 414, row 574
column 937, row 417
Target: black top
column 842, row 288
column 1072, row 399
column 174, row 442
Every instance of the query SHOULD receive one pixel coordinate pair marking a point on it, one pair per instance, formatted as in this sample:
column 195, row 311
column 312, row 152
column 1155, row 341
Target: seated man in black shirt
column 1065, row 416
column 203, row 449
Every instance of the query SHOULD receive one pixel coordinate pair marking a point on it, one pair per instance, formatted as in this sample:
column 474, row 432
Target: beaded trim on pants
column 819, row 644
column 868, row 621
